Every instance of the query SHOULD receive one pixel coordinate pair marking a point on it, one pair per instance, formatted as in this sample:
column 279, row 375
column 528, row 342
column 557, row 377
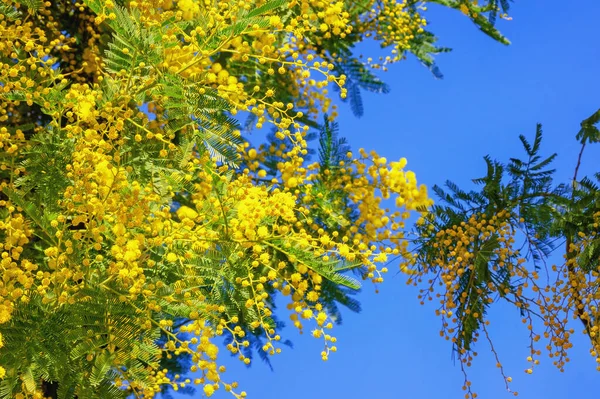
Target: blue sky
column 490, row 94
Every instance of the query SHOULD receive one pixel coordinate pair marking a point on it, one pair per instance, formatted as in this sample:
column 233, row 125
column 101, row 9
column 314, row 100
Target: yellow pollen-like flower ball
column 186, row 212
column 209, row 390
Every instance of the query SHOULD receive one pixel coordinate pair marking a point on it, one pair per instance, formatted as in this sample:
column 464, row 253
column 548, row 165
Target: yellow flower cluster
column 141, row 209
column 574, row 290
column 189, row 8
column 459, row 281
column 2, row 370
column 476, row 261
column 395, row 23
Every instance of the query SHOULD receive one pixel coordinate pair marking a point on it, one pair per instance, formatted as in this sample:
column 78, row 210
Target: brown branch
column 579, row 306
column 578, row 165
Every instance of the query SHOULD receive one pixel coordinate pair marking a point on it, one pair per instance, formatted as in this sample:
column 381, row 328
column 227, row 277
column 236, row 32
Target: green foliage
column 358, row 77
column 476, row 12
column 9, row 12
column 60, row 341
column 589, row 131
column 205, row 113
column 33, row 6
column 132, row 44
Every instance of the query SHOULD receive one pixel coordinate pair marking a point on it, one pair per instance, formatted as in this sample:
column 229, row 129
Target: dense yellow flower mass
column 135, row 214
column 89, row 180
